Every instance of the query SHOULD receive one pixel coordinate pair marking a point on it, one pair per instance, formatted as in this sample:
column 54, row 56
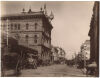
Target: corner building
column 31, row 29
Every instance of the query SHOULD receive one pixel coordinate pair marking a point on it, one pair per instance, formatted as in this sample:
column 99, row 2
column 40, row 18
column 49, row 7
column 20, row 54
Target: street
column 53, row 71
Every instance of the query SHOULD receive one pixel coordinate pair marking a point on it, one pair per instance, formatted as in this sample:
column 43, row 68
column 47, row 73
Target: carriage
column 29, row 57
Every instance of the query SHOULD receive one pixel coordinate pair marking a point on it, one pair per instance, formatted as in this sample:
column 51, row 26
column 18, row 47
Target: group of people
column 88, row 69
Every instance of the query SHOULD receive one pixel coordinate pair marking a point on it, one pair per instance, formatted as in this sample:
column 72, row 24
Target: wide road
column 53, row 71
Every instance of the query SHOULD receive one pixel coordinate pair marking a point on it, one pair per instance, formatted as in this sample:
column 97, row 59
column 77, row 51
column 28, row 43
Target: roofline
column 5, row 17
column 26, row 16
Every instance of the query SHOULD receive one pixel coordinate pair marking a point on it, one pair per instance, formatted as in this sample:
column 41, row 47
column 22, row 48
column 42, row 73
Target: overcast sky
column 71, row 21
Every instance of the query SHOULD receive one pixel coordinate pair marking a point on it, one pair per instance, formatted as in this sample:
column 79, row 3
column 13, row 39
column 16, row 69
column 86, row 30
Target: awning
column 93, row 64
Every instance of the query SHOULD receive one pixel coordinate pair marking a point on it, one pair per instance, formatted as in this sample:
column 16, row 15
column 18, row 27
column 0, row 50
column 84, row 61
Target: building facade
column 83, row 57
column 58, row 55
column 94, row 36
column 85, row 50
column 31, row 29
column 54, row 53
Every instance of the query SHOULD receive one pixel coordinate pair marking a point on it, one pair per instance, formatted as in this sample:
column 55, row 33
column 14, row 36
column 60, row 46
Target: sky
column 71, row 21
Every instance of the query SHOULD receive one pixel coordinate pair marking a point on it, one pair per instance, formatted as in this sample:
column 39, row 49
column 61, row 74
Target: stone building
column 31, row 29
column 83, row 57
column 55, row 54
column 85, row 50
column 94, row 36
column 61, row 55
column 58, row 54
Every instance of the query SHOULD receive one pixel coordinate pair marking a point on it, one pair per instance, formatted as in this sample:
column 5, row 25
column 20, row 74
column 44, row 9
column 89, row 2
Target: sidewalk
column 10, row 73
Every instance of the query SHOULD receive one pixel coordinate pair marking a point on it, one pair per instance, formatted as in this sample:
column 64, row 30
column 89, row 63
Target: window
column 18, row 26
column 26, row 37
column 35, row 38
column 35, row 26
column 11, row 26
column 15, row 26
column 27, row 26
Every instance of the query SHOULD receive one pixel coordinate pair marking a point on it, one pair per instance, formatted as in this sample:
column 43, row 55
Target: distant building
column 58, row 54
column 54, row 53
column 61, row 53
column 85, row 50
column 31, row 29
column 94, row 36
column 84, row 55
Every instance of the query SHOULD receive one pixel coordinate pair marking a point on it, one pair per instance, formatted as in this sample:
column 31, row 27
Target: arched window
column 35, row 38
column 18, row 26
column 15, row 26
column 26, row 36
column 36, row 26
column 11, row 26
column 27, row 26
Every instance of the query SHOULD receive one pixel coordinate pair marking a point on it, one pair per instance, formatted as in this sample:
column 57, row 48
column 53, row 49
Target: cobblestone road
column 53, row 71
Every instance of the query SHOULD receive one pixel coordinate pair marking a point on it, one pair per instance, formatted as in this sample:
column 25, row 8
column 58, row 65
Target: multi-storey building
column 94, row 37
column 58, row 54
column 85, row 50
column 83, row 57
column 31, row 29
column 61, row 53
column 55, row 53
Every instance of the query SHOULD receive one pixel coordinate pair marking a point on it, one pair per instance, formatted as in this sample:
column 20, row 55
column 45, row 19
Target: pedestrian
column 91, row 68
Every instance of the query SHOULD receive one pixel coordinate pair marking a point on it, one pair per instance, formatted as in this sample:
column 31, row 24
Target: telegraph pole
column 3, row 47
